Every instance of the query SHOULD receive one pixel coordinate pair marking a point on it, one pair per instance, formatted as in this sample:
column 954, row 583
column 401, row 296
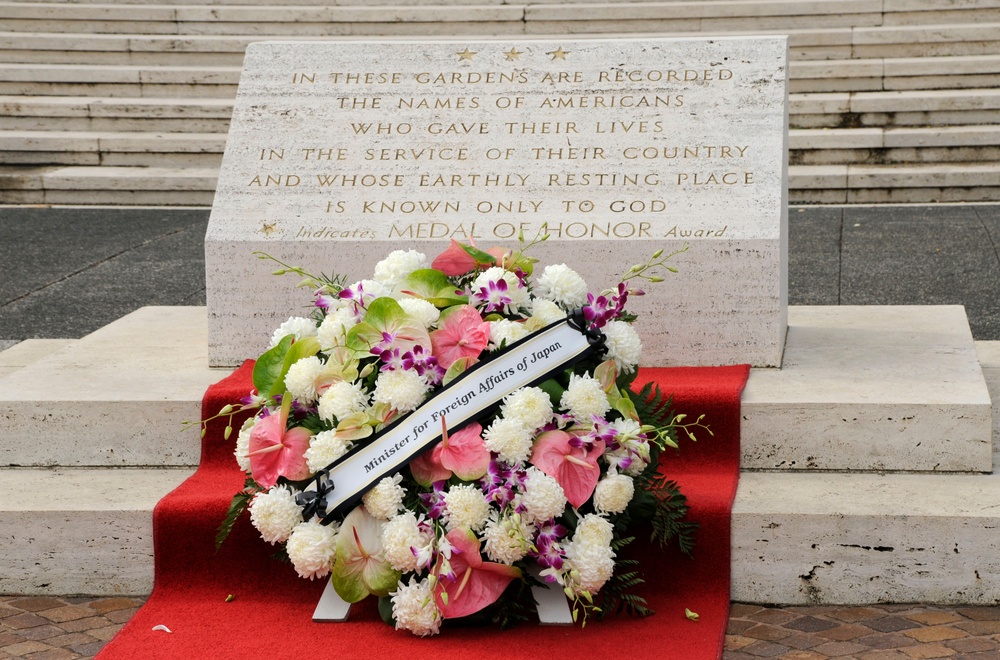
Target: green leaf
column 433, row 286
column 267, row 371
column 239, row 504
column 693, row 616
column 457, row 368
column 553, row 389
column 358, row 570
column 385, row 315
column 483, row 258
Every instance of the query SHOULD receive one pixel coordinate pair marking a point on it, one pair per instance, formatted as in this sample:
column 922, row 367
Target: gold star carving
column 466, row 54
column 268, row 229
column 558, row 54
column 514, row 54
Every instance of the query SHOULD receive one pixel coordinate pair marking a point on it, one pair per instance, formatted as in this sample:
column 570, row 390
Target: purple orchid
column 494, row 295
column 434, row 500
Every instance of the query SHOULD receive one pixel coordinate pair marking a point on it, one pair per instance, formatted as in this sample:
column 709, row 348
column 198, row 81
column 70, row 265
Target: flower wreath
column 547, row 486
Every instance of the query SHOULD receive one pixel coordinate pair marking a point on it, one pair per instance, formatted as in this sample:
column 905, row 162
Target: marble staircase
column 129, row 102
column 868, row 459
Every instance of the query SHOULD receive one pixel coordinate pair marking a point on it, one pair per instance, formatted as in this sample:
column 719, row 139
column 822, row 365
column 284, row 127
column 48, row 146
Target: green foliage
column 268, row 367
column 653, row 405
column 669, row 517
column 516, row 604
column 239, row 504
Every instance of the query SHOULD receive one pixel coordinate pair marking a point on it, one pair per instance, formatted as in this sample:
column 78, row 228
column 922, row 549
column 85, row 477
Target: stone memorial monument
column 341, row 152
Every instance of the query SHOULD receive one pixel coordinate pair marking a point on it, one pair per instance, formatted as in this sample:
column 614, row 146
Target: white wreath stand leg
column 553, row 608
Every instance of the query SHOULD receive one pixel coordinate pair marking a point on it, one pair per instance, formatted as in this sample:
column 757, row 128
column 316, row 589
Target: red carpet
column 270, row 616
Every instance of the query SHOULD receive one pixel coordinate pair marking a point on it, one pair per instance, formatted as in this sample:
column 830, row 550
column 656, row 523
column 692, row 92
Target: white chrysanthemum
column 562, row 285
column 312, row 547
column 466, row 507
column 546, row 311
column 584, row 397
column 398, row 265
column 623, row 344
column 421, row 311
column 386, row 498
column 400, row 536
column 510, row 439
column 505, row 330
column 590, row 554
column 342, row 399
column 302, row 376
column 243, row 444
column 295, row 325
column 507, row 538
column 415, row 609
column 543, row 497
column 626, row 429
column 518, row 294
column 403, row 389
column 324, row 448
column 613, row 493
column 332, row 331
column 530, row 406
column 275, row 514
column 374, row 289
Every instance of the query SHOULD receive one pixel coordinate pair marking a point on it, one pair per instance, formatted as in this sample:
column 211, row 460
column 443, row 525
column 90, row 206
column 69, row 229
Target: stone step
column 28, row 351
column 798, row 537
column 178, row 150
column 91, row 532
column 866, row 538
column 871, row 389
column 116, row 397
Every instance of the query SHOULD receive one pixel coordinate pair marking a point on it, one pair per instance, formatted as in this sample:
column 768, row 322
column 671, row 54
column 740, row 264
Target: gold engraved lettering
column 324, row 154
column 472, row 180
column 676, row 232
column 360, row 181
column 359, row 102
column 408, row 207
column 623, row 229
column 563, row 77
column 277, row 180
column 568, row 153
column 600, row 179
column 471, row 77
column 301, row 78
column 381, row 128
column 625, row 101
column 682, row 152
column 272, row 154
column 436, row 128
column 424, row 153
column 519, row 206
column 540, row 127
column 629, row 127
column 715, row 178
column 434, row 230
column 441, row 103
column 665, row 75
column 376, row 78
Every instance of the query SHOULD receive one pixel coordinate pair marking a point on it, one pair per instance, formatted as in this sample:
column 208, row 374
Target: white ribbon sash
column 530, row 360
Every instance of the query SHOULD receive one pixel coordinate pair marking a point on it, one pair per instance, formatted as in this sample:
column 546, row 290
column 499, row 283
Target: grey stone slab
column 7, row 343
column 814, row 256
column 335, row 158
column 72, row 288
column 938, row 255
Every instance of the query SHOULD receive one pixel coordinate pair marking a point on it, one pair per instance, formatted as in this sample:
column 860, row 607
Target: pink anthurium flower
column 575, row 468
column 462, row 453
column 427, row 468
column 454, row 261
column 275, row 452
column 472, row 583
column 463, row 334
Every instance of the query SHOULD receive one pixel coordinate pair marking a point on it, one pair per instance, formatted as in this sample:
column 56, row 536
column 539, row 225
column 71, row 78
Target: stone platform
column 801, row 533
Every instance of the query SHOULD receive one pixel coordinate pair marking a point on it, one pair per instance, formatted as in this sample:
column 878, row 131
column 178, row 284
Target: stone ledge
column 856, row 538
column 117, row 397
column 92, row 533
